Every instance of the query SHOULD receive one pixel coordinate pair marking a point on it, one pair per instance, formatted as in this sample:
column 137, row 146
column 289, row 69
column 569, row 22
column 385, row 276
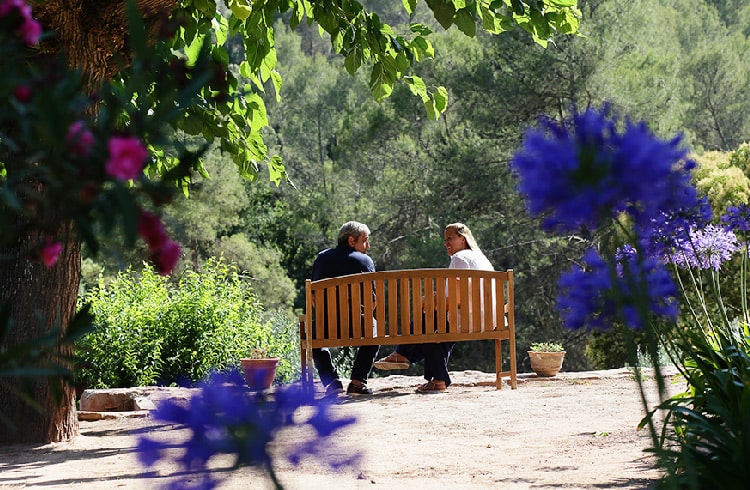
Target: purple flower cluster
column 598, row 294
column 705, row 248
column 670, row 228
column 225, row 417
column 591, row 169
column 584, row 171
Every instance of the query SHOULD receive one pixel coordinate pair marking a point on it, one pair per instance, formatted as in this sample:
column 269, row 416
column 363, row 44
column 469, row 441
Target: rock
column 128, row 402
column 109, row 400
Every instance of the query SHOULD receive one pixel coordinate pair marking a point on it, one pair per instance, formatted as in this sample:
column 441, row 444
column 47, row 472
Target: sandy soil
column 578, row 430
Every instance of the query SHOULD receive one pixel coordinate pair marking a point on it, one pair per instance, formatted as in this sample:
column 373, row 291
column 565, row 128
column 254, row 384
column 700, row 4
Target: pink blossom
column 30, row 30
column 22, row 93
column 50, row 253
column 166, row 258
column 24, row 9
column 151, row 229
column 80, row 139
column 127, row 157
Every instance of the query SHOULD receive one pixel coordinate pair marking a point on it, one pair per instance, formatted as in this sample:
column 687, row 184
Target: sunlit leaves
column 221, row 27
column 360, row 37
column 193, row 49
column 240, row 8
column 435, row 103
column 276, row 170
column 410, row 5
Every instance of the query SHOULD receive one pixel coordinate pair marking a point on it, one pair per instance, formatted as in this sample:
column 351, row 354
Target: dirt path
column 578, row 431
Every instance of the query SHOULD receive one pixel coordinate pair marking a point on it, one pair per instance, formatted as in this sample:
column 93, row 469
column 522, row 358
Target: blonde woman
column 465, row 254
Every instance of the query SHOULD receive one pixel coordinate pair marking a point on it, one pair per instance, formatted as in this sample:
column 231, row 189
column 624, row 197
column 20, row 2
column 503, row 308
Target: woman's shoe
column 432, row 387
column 394, row 360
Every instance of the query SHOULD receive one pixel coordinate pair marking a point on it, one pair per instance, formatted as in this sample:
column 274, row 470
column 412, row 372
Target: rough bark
column 41, row 298
column 93, row 35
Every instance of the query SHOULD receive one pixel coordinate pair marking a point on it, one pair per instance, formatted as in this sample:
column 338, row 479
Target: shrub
column 149, row 330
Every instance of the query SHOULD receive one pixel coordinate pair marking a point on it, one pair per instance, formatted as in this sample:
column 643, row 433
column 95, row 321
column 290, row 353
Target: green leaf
column 381, row 85
column 221, row 28
column 402, row 63
column 276, row 170
column 410, row 5
column 352, row 62
column 245, row 70
column 256, row 115
column 240, row 8
column 432, row 113
column 193, row 49
column 441, row 99
column 443, row 11
column 417, row 87
column 276, row 80
column 207, row 7
column 465, row 23
column 422, row 48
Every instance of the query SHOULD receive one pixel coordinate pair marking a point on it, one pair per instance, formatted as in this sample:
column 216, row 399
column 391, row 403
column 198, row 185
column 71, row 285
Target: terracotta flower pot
column 259, row 373
column 546, row 364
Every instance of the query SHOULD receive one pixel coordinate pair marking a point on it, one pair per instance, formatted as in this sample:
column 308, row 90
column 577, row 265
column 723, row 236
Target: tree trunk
column 41, row 298
column 93, row 36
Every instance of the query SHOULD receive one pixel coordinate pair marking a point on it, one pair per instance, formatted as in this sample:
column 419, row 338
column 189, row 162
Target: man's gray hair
column 351, row 229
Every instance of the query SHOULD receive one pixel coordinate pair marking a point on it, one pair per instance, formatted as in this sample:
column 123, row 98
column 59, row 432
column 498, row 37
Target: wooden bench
column 395, row 300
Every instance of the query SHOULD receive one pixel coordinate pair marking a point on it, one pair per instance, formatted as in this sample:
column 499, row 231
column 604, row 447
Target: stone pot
column 259, row 372
column 546, row 364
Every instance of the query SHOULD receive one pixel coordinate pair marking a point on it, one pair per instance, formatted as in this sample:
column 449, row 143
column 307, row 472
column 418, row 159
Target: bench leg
column 498, row 364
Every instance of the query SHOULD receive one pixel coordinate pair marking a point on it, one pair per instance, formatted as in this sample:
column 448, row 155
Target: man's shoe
column 393, row 361
column 358, row 389
column 334, row 389
column 432, row 387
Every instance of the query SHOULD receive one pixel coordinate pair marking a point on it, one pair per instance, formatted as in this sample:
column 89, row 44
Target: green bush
column 149, row 330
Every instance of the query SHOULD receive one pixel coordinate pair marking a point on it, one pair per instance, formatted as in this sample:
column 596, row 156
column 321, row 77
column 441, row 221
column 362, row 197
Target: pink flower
column 80, row 139
column 30, row 31
column 127, row 157
column 6, row 6
column 166, row 258
column 50, row 253
column 151, row 229
column 22, row 93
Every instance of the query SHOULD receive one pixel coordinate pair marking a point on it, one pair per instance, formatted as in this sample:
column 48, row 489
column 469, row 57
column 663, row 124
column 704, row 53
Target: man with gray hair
column 348, row 257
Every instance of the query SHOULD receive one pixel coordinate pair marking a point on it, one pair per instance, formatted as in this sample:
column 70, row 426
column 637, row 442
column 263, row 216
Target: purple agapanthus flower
column 705, row 248
column 584, row 171
column 596, row 296
column 225, row 417
column 671, row 227
column 737, row 218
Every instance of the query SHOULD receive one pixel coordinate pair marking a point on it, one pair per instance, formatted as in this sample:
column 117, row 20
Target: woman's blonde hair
column 464, row 231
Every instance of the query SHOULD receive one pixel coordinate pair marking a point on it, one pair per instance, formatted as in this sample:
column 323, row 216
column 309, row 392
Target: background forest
column 683, row 66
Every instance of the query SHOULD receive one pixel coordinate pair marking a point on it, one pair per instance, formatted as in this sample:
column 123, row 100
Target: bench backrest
column 477, row 305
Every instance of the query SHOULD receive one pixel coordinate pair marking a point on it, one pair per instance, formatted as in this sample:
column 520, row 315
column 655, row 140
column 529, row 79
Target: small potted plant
column 259, row 369
column 546, row 358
